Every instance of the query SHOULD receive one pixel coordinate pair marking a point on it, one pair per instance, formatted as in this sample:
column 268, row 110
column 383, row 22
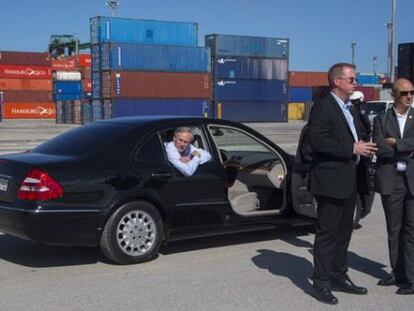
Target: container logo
column 118, row 84
column 27, row 72
column 224, row 60
column 223, row 83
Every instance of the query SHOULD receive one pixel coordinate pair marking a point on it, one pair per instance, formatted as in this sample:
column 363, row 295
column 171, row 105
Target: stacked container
column 406, row 61
column 146, row 67
column 25, row 81
column 249, row 77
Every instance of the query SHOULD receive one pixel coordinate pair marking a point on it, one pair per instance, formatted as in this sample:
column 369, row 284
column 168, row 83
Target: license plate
column 4, row 184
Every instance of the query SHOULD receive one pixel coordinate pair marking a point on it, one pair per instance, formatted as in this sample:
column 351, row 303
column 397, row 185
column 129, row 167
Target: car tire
column 133, row 233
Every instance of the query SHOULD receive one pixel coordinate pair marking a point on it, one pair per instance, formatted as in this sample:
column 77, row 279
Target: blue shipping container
column 115, row 56
column 67, row 87
column 97, row 110
column 250, row 90
column 367, row 79
column 144, row 107
column 247, row 46
column 300, row 94
column 253, row 111
column 139, row 31
column 250, row 68
column 59, row 97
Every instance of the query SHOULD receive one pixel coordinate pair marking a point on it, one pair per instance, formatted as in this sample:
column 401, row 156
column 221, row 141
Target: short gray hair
column 336, row 71
column 184, row 129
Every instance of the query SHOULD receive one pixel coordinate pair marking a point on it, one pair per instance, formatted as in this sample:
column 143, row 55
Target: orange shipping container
column 25, row 85
column 28, row 111
column 81, row 60
column 308, row 78
column 86, row 85
column 63, row 64
column 22, row 71
column 138, row 84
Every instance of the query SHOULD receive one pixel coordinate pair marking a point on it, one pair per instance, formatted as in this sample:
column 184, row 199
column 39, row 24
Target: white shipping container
column 67, row 76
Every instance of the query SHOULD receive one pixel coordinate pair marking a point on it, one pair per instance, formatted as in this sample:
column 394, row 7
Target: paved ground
column 252, row 271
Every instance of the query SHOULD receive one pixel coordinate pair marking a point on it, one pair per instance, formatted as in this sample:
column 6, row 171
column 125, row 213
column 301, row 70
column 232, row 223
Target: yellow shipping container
column 296, row 111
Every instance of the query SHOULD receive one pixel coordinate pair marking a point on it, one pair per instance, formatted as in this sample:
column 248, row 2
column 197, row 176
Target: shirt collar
column 399, row 115
column 341, row 103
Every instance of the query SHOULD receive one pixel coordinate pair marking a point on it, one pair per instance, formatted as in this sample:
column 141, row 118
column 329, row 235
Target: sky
column 320, row 31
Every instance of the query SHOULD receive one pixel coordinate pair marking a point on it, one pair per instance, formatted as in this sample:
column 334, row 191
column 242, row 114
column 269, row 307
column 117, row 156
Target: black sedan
column 109, row 184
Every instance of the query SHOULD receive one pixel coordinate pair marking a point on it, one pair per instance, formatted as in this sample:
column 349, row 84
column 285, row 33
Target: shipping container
column 63, row 97
column 138, row 31
column 25, row 84
column 27, row 96
column 81, row 60
column 67, row 87
column 63, row 64
column 252, row 111
column 68, row 111
column 230, row 45
column 308, row 78
column 296, row 111
column 250, row 68
column 364, row 79
column 67, row 76
column 156, row 84
column 115, row 56
column 251, row 90
column 77, row 112
column 87, row 85
column 59, row 111
column 86, row 72
column 370, row 93
column 406, row 61
column 28, row 110
column 144, row 107
column 96, row 110
column 300, row 94
column 25, row 71
column 24, row 58
column 86, row 110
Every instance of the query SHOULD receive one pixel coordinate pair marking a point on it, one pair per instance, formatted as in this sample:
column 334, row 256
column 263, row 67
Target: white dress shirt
column 188, row 168
column 402, row 119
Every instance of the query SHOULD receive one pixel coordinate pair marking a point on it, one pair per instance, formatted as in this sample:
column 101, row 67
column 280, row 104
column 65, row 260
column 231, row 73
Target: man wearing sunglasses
column 337, row 148
column 394, row 179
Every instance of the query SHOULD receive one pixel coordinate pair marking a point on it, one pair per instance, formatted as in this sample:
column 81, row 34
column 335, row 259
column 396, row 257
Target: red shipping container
column 308, row 78
column 28, row 111
column 25, row 85
column 87, row 85
column 81, row 60
column 22, row 71
column 24, row 58
column 63, row 64
column 370, row 93
column 141, row 84
column 86, row 72
column 27, row 96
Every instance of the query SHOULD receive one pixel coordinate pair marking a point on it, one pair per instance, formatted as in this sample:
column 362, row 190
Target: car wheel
column 133, row 233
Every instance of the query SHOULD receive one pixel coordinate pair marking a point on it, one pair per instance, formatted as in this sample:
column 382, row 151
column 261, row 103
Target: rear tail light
column 38, row 185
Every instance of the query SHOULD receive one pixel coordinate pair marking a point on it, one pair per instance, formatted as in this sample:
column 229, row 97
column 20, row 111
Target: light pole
column 391, row 42
column 353, row 46
column 375, row 65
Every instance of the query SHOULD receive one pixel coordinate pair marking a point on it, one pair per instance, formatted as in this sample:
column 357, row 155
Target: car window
column 83, row 140
column 199, row 137
column 239, row 147
column 151, row 150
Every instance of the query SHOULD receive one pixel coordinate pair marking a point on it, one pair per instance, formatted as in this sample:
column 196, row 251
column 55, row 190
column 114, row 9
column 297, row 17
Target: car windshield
column 83, row 140
column 374, row 108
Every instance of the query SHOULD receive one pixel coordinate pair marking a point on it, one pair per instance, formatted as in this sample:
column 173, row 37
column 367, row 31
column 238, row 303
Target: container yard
column 144, row 67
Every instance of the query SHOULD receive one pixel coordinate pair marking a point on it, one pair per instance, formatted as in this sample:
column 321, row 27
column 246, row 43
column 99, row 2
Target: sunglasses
column 351, row 80
column 405, row 93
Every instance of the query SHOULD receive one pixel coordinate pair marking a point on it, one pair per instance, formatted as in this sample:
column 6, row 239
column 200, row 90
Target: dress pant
column 399, row 216
column 333, row 234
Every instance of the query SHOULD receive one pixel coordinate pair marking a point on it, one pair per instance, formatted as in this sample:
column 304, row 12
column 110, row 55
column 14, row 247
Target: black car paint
column 98, row 183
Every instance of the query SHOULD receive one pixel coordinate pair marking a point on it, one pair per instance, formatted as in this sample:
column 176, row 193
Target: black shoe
column 357, row 226
column 387, row 281
column 348, row 287
column 324, row 294
column 407, row 289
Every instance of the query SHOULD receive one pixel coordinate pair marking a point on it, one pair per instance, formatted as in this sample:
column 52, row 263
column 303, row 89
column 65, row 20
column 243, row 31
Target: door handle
column 161, row 175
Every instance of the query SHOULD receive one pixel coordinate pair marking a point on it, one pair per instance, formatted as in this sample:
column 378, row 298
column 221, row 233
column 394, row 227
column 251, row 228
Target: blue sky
column 320, row 31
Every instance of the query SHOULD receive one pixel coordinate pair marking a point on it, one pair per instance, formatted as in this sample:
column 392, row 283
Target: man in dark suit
column 394, row 179
column 336, row 150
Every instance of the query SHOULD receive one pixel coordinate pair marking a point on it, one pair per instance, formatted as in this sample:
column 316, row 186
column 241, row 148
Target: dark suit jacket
column 386, row 125
column 333, row 168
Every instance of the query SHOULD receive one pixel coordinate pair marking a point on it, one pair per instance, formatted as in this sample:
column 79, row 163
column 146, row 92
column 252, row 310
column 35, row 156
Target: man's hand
column 365, row 148
column 185, row 159
column 390, row 141
column 195, row 153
